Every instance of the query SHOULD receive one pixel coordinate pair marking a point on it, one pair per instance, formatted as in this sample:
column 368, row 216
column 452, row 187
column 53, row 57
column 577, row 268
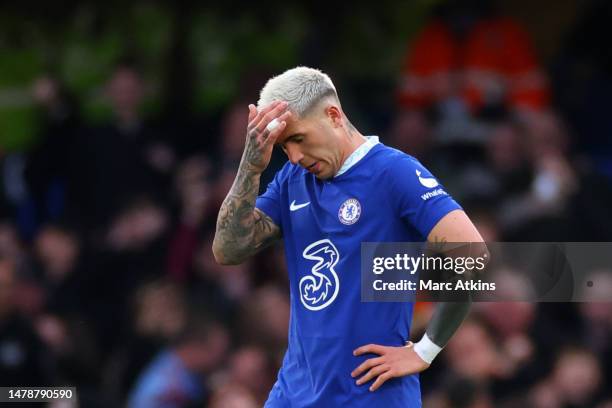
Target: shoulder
column 405, row 173
column 393, row 160
column 389, row 163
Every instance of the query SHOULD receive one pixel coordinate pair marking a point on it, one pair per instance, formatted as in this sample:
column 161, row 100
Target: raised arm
column 242, row 229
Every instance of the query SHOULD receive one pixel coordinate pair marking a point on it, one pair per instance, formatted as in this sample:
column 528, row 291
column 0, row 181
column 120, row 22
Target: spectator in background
column 159, row 316
column 583, row 82
column 218, row 289
column 563, row 199
column 596, row 323
column 574, row 382
column 233, row 396
column 51, row 165
column 5, row 207
column 11, row 247
column 132, row 252
column 173, row 379
column 233, row 124
column 137, row 227
column 234, row 281
column 74, row 349
column 58, row 254
column 410, row 132
column 460, row 392
column 470, row 60
column 472, row 353
column 125, row 159
column 193, row 192
column 264, row 321
column 250, row 368
column 24, row 359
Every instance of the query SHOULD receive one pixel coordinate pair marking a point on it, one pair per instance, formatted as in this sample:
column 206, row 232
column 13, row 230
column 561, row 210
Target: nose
column 294, row 154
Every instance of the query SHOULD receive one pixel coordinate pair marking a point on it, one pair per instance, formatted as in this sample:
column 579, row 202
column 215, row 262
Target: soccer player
column 338, row 189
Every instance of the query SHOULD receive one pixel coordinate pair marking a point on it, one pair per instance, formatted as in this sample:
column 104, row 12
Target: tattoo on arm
column 243, row 230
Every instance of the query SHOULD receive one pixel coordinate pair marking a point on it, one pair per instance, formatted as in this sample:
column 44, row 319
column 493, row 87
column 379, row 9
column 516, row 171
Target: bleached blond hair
column 301, row 87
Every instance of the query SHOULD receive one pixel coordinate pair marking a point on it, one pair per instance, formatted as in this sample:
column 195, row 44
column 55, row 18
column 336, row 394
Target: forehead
column 294, row 126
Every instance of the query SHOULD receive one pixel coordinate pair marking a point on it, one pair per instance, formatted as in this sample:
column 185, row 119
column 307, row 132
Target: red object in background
column 432, row 59
column 495, row 60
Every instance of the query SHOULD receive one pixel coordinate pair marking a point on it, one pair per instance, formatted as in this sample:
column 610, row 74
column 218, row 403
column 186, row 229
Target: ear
column 335, row 115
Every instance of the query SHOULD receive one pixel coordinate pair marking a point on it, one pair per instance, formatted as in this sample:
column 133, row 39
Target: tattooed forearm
column 242, row 230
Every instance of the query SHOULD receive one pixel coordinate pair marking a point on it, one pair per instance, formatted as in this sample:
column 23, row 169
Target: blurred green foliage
column 223, row 43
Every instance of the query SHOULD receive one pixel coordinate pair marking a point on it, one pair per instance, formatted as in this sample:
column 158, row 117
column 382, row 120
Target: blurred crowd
column 107, row 279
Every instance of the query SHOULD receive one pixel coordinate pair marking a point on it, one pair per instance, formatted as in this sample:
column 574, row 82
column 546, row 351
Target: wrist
column 427, row 349
column 251, row 168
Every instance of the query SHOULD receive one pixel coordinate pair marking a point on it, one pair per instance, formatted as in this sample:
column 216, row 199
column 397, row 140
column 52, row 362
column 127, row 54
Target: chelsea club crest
column 349, row 212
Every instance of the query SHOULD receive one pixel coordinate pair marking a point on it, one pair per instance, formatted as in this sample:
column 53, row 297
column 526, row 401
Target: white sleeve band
column 427, row 349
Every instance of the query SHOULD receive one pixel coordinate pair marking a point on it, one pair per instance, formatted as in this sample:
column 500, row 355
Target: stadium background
column 121, row 126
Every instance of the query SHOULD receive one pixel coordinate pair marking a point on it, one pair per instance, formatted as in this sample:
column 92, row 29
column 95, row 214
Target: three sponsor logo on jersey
column 320, row 288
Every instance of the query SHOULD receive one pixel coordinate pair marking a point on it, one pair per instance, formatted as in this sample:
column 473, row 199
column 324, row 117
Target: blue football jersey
column 386, row 196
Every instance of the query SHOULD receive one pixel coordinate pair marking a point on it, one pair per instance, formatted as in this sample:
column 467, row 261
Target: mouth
column 313, row 168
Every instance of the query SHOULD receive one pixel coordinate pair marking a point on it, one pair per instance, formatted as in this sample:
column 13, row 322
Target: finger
column 271, row 137
column 369, row 348
column 262, row 135
column 369, row 363
column 252, row 112
column 374, row 372
column 285, row 116
column 261, row 112
column 268, row 117
column 381, row 380
column 277, row 130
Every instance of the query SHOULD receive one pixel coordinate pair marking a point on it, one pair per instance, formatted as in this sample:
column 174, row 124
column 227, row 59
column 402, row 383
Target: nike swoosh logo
column 295, row 207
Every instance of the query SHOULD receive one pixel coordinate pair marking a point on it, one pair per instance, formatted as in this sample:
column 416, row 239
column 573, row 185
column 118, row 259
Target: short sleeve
column 269, row 201
column 419, row 198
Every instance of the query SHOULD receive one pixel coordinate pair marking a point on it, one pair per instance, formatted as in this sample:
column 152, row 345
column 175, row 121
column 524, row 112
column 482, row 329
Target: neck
column 354, row 140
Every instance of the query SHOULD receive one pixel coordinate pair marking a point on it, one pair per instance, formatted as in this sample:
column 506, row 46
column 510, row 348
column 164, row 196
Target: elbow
column 218, row 253
column 221, row 256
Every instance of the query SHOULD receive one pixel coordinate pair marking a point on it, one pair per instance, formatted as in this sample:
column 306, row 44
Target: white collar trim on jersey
column 358, row 154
